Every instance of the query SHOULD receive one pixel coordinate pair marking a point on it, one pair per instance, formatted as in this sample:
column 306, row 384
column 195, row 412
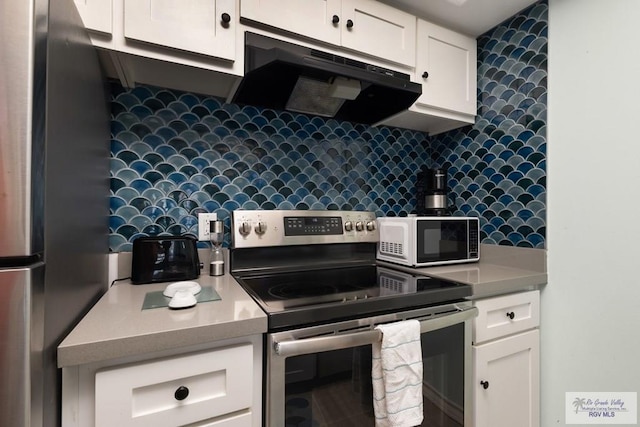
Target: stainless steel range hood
column 285, row 76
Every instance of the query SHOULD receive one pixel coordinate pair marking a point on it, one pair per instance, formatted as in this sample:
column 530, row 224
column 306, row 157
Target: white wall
column 591, row 305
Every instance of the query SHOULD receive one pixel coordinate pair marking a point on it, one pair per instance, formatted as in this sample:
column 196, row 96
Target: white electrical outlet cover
column 203, row 225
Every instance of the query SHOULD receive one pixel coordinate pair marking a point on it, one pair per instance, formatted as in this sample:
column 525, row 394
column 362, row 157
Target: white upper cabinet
column 169, row 43
column 363, row 26
column 379, row 30
column 198, row 26
column 447, row 69
column 446, row 65
column 310, row 18
column 96, row 14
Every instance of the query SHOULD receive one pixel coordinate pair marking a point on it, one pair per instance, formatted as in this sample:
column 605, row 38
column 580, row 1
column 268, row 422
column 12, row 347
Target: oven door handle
column 356, row 339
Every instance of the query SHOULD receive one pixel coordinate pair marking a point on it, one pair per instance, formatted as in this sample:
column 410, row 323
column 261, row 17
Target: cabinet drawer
column 176, row 391
column 506, row 315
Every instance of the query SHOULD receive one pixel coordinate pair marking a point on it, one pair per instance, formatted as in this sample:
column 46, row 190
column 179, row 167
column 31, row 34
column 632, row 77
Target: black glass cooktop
column 331, row 294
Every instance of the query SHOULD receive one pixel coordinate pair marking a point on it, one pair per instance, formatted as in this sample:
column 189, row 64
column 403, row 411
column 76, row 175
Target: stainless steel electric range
column 315, row 275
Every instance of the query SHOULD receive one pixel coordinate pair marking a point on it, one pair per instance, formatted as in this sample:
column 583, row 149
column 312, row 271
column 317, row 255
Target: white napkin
column 397, row 375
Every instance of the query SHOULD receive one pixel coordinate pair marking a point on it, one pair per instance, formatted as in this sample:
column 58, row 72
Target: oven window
column 333, row 388
column 441, row 240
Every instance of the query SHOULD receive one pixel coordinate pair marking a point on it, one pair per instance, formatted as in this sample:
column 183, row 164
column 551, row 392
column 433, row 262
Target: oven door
column 321, row 376
column 443, row 241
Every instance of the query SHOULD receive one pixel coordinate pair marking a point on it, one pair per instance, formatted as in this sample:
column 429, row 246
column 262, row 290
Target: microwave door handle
column 356, row 339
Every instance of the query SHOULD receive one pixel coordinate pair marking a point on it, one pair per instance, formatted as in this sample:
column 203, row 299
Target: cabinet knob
column 335, row 19
column 425, row 75
column 484, row 384
column 225, row 18
column 511, row 315
column 349, row 23
column 181, row 393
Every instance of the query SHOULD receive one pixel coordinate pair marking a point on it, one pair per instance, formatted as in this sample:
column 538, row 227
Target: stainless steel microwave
column 424, row 241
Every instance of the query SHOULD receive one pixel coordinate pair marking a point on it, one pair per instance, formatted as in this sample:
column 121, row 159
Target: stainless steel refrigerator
column 54, row 171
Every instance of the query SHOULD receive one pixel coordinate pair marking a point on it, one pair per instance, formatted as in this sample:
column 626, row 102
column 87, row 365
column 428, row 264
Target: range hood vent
column 285, row 76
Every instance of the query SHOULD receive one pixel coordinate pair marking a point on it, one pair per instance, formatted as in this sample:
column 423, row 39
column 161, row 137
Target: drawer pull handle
column 181, row 393
column 484, row 384
column 511, row 315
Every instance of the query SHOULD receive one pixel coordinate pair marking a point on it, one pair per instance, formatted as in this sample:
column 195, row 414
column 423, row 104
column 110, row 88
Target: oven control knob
column 371, row 225
column 359, row 226
column 245, row 228
column 261, row 227
column 348, row 226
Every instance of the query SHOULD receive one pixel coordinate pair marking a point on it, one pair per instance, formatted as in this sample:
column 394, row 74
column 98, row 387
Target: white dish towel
column 397, row 375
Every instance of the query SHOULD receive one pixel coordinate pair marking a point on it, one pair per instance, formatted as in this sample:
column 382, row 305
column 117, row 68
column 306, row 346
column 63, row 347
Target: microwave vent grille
column 392, row 248
column 394, row 286
column 389, row 286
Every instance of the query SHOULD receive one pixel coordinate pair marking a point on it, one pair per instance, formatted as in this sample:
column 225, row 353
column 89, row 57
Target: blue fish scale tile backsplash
column 177, row 154
column 497, row 167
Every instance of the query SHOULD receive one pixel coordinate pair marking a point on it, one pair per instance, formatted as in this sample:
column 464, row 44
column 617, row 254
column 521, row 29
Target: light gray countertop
column 501, row 270
column 117, row 326
column 485, row 279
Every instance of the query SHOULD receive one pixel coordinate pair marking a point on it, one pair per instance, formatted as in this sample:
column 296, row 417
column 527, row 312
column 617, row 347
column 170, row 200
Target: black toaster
column 164, row 259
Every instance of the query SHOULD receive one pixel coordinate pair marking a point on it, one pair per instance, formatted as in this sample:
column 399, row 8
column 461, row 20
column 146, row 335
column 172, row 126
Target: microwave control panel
column 474, row 228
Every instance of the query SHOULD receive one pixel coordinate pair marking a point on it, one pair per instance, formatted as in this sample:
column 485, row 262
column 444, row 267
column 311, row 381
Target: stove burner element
column 301, row 290
column 312, row 296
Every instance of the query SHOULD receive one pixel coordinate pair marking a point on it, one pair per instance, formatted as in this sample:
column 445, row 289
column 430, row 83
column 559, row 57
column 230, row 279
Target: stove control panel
column 312, row 225
column 258, row 228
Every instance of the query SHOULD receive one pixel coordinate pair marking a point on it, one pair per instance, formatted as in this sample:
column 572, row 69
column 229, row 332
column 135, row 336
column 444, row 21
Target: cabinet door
column 96, row 14
column 195, row 26
column 506, row 382
column 446, row 66
column 379, row 30
column 309, row 18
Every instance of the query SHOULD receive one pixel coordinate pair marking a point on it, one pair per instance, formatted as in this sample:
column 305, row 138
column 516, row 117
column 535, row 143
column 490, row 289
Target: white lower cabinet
column 219, row 387
column 506, row 355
